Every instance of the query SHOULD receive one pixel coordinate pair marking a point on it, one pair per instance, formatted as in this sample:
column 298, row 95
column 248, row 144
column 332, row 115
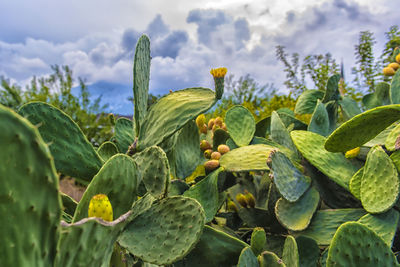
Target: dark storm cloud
column 207, row 22
column 170, row 45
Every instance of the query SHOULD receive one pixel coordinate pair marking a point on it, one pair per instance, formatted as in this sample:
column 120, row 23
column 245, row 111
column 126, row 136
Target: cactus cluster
column 273, row 192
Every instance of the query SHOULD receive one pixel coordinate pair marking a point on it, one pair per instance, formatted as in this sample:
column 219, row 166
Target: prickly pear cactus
column 30, row 205
column 241, row 125
column 124, row 134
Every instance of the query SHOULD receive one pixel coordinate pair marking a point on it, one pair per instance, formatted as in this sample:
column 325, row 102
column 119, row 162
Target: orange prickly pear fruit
column 224, row 127
column 215, row 127
column 200, row 120
column 398, row 58
column 210, row 124
column 211, row 165
column 223, row 149
column 204, row 145
column 215, row 155
column 218, row 121
column 241, row 199
column 388, row 71
column 394, row 65
column 100, row 207
column 203, row 129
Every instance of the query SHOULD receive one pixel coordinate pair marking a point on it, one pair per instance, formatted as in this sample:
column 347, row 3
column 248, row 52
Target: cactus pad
column 297, row 216
column 279, row 133
column 320, row 120
column 172, row 112
column 390, row 142
column 356, row 245
column 362, row 128
column 166, row 232
column 290, row 255
column 384, row 224
column 307, row 101
column 333, row 165
column 269, row 259
column 246, row 158
column 29, row 201
column 154, row 170
column 395, row 89
column 107, row 150
column 349, row 107
column 124, row 134
column 247, row 258
column 240, row 124
column 141, row 77
column 325, row 223
column 73, row 154
column 380, row 182
column 332, row 89
column 308, row 251
column 355, row 183
column 289, row 181
column 118, row 179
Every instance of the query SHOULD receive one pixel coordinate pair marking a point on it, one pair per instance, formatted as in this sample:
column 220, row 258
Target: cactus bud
column 207, row 153
column 223, row 149
column 251, row 201
column 231, row 206
column 241, row 199
column 100, row 207
column 210, row 124
column 211, row 165
column 204, row 145
column 352, row 153
column 215, row 155
column 388, row 71
column 394, row 65
column 200, row 120
column 398, row 58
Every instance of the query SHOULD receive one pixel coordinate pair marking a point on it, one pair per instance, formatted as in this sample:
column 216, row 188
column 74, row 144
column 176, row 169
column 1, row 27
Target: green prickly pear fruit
column 207, row 153
column 241, row 199
column 223, row 149
column 200, row 120
column 352, row 153
column 218, row 121
column 211, row 165
column 258, row 239
column 210, row 124
column 215, row 155
column 203, row 129
column 231, row 206
column 251, row 201
column 100, row 207
column 204, row 145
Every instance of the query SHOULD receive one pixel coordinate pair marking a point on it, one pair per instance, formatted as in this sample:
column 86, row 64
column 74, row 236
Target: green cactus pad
column 308, row 251
column 262, row 127
column 107, row 150
column 187, row 150
column 320, row 120
column 247, row 258
column 279, row 133
column 246, row 158
column 89, row 242
column 349, row 107
column 257, row 240
column 384, row 224
column 141, row 77
column 297, row 216
column 333, row 165
column 177, row 187
column 378, row 98
column 289, row 120
column 73, row 154
column 332, row 89
column 332, row 109
column 260, row 140
column 362, row 128
column 324, row 257
column 325, row 223
column 269, row 259
column 355, row 183
column 172, row 112
column 380, row 182
column 240, row 124
column 219, row 138
column 206, row 193
column 154, row 170
column 166, row 232
column 289, row 181
column 215, row 248
column 307, row 101
column 390, row 141
column 290, row 255
column 395, row 157
column 30, row 205
column 356, row 245
column 395, row 89
column 124, row 134
column 69, row 204
column 118, row 179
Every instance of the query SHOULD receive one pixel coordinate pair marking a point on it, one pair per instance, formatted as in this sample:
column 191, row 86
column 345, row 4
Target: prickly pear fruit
column 398, row 58
column 251, row 201
column 203, row 129
column 388, row 71
column 207, row 153
column 223, row 149
column 215, row 127
column 394, row 65
column 224, row 127
column 232, row 206
column 215, row 155
column 210, row 124
column 204, row 145
column 241, row 199
column 211, row 165
column 100, row 207
column 200, row 120
column 218, row 121
column 352, row 153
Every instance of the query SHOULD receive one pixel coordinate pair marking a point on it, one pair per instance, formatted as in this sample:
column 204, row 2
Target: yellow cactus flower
column 352, row 153
column 100, row 207
column 219, row 73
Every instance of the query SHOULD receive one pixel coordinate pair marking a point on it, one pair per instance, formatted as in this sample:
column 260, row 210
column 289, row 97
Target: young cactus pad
column 241, row 125
column 100, row 207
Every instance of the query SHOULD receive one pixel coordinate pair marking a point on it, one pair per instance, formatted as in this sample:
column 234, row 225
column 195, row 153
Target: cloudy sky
column 96, row 38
